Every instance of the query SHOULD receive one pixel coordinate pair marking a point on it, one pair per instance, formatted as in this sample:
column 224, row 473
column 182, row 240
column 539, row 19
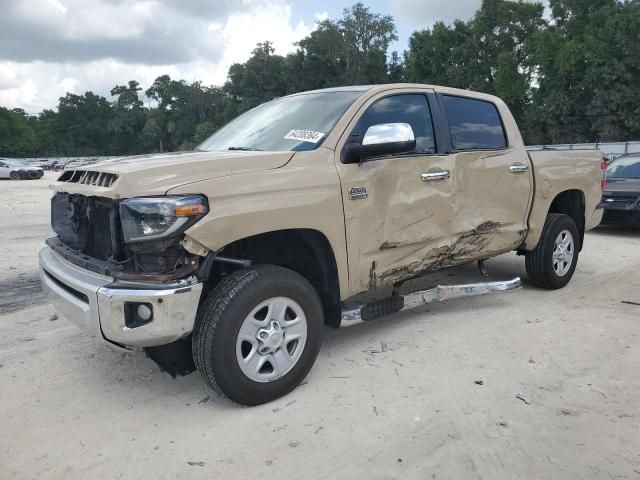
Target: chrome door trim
column 519, row 168
column 435, row 176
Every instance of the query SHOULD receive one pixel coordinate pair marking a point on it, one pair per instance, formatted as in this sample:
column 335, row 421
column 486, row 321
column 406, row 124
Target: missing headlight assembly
column 135, row 239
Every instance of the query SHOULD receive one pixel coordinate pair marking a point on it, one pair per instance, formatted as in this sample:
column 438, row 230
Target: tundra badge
column 357, row 193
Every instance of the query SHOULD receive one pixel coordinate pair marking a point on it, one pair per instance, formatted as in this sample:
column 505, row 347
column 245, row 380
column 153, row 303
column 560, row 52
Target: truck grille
column 86, row 177
column 84, row 223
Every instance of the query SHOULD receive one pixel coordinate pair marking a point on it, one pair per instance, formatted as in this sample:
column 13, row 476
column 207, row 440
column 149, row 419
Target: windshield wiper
column 245, row 149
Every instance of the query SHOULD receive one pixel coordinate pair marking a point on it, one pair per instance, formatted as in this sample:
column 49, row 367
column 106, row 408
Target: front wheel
column 14, row 176
column 258, row 334
column 552, row 263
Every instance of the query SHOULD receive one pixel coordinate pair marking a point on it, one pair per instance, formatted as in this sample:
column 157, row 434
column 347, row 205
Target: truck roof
column 348, row 88
column 393, row 86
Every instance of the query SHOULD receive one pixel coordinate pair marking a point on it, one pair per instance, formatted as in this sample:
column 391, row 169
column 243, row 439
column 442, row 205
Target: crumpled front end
column 89, row 234
column 130, row 294
column 123, row 314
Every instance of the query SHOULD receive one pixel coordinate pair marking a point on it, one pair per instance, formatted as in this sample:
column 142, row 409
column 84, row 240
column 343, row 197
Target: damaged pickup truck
column 242, row 250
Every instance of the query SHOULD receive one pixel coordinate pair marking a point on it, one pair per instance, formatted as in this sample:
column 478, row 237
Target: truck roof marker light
column 190, row 210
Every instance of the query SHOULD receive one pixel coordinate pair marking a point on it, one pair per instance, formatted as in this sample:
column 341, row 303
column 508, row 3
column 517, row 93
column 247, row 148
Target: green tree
column 128, row 118
column 321, row 59
column 158, row 125
column 47, row 142
column 366, row 37
column 588, row 70
column 82, row 124
column 442, row 55
column 490, row 53
column 259, row 79
column 17, row 136
column 349, row 51
column 569, row 79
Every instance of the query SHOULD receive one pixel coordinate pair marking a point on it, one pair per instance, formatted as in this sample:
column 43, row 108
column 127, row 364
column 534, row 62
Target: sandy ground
column 71, row 408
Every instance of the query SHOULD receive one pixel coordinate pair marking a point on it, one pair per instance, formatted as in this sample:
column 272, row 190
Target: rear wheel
column 258, row 334
column 552, row 263
column 14, row 176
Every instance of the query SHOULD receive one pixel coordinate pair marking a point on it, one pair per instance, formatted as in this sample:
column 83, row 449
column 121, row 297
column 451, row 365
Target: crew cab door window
column 474, row 124
column 411, row 109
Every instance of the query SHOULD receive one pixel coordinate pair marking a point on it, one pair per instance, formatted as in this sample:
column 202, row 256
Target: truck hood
column 158, row 173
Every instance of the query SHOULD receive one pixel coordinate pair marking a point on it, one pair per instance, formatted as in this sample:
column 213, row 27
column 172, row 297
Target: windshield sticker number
column 304, row 136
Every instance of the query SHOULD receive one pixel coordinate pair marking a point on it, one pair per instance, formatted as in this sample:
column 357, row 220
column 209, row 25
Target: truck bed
column 555, row 172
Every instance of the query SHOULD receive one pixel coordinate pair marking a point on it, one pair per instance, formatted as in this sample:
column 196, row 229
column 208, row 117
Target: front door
column 397, row 208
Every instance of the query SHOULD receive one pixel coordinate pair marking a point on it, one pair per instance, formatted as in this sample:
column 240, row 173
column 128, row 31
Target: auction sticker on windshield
column 304, row 136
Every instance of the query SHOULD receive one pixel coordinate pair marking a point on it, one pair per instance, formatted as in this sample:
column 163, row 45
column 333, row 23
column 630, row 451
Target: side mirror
column 381, row 139
column 388, row 138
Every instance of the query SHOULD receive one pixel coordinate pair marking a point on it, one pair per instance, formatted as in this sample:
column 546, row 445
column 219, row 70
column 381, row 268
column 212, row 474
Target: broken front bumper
column 103, row 306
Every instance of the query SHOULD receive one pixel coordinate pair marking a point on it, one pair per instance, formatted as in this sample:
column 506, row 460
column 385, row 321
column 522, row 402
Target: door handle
column 518, row 168
column 435, row 176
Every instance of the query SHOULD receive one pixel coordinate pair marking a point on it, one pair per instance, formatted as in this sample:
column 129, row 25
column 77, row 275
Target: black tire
column 539, row 262
column 221, row 315
column 14, row 176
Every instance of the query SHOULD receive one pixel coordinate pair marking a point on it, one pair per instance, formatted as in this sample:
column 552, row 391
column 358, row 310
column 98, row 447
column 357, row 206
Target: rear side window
column 411, row 109
column 474, row 124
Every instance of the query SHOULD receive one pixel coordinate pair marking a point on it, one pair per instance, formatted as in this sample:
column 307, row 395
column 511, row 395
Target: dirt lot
column 71, row 408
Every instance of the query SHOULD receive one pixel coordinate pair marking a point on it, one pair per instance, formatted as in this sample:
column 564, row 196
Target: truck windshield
column 295, row 123
column 624, row 168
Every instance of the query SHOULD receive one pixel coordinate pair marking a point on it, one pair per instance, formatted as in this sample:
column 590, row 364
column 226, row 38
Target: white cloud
column 98, row 44
column 424, row 13
column 420, row 14
column 321, row 16
column 267, row 21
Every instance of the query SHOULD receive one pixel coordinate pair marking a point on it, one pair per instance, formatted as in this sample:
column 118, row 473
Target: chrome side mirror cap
column 388, row 133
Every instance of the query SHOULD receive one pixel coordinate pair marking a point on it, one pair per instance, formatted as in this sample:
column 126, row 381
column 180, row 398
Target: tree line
column 571, row 75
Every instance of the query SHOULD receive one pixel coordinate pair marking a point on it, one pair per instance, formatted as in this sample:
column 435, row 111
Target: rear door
column 397, row 207
column 492, row 179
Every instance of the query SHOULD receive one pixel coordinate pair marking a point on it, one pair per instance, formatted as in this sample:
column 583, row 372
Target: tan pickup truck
column 239, row 252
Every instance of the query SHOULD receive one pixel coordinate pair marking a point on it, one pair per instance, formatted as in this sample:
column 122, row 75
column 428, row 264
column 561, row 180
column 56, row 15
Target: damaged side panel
column 480, row 242
column 391, row 233
column 486, row 217
column 427, row 212
column 490, row 197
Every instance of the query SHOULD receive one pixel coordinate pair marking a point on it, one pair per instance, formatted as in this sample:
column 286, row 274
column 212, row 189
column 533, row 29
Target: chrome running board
column 354, row 314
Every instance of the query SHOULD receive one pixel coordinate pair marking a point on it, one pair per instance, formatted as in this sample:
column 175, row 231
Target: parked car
column 79, row 163
column 42, row 164
column 16, row 170
column 621, row 199
column 240, row 251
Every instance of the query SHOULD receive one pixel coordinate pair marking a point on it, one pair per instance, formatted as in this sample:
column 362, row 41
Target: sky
column 51, row 47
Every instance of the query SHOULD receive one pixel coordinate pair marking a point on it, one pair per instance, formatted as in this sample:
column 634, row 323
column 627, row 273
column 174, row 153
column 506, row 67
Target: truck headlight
column 152, row 218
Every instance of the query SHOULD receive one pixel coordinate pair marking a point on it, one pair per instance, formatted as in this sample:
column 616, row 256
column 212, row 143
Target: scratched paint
column 468, row 247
